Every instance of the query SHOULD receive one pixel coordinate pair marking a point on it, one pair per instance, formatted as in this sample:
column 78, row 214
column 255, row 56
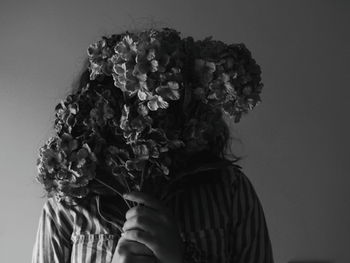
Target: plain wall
column 296, row 142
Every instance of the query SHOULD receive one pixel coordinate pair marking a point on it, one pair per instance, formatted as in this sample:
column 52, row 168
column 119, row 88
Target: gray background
column 296, row 142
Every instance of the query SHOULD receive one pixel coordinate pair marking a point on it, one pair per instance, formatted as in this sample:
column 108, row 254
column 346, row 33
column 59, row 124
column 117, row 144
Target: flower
column 126, row 49
column 155, row 102
column 169, row 91
column 62, row 164
column 126, row 129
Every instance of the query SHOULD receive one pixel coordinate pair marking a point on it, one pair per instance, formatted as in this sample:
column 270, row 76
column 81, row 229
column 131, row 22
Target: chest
column 202, row 214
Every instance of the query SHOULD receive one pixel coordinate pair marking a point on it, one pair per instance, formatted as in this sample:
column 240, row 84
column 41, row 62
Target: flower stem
column 143, row 175
column 129, row 189
column 99, row 211
column 111, row 188
column 125, row 181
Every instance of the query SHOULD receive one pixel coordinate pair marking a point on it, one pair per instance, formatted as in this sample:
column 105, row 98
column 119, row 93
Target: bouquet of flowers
column 116, row 133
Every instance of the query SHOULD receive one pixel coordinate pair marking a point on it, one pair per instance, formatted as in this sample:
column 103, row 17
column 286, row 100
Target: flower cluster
column 227, row 77
column 66, row 166
column 119, row 122
column 140, row 65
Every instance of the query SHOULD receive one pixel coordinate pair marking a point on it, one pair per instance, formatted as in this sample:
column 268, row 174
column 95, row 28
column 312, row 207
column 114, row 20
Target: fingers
column 143, row 211
column 143, row 223
column 152, row 225
column 140, row 236
column 128, row 246
column 145, row 199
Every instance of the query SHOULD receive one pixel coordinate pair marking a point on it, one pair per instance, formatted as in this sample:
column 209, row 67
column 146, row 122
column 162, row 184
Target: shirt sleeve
column 52, row 242
column 251, row 238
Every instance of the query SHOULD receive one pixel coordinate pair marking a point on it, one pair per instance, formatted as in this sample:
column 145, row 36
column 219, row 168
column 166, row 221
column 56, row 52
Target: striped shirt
column 225, row 220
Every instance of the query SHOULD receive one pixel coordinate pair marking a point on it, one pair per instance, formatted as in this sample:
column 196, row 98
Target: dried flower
column 123, row 130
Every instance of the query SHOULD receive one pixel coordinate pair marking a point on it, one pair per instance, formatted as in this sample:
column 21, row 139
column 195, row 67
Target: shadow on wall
column 311, row 261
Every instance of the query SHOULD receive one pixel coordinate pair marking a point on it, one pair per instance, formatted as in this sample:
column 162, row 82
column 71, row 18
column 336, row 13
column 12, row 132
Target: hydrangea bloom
column 121, row 130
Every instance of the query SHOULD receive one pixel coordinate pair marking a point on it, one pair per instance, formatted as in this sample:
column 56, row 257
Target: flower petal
column 170, row 91
column 142, row 95
column 162, row 103
column 152, row 104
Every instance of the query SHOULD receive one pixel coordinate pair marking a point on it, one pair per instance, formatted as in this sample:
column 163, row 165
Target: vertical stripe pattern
column 225, row 220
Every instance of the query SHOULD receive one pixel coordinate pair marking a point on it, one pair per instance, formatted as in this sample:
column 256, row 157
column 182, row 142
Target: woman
column 146, row 120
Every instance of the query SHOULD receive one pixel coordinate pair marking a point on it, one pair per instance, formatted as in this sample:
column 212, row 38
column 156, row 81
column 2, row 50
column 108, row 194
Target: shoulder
column 232, row 174
column 66, row 212
column 58, row 214
column 238, row 182
column 53, row 206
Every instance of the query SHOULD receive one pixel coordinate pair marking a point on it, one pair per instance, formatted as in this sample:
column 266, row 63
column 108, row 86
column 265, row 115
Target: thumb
column 133, row 247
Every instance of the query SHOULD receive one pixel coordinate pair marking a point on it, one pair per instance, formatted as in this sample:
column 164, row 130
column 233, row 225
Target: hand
column 132, row 252
column 153, row 225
